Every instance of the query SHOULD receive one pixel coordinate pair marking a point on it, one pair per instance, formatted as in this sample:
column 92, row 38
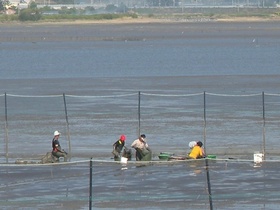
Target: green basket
column 164, row 156
column 211, row 156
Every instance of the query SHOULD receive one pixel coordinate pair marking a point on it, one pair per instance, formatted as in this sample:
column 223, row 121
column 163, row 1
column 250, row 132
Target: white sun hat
column 56, row 133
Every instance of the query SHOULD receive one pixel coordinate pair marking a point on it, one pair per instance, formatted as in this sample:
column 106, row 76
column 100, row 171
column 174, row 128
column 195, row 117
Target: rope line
column 41, row 164
column 272, row 94
column 132, row 162
column 109, row 96
column 169, row 95
column 142, row 93
column 29, row 96
column 228, row 95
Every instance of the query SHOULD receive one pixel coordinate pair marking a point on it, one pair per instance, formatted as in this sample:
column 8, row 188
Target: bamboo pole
column 90, row 184
column 67, row 125
column 6, row 129
column 264, row 142
column 139, row 113
column 204, row 119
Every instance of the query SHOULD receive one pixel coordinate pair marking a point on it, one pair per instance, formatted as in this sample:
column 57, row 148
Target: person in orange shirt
column 197, row 151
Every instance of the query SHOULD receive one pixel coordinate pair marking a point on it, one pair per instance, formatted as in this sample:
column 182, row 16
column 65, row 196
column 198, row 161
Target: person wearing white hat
column 57, row 151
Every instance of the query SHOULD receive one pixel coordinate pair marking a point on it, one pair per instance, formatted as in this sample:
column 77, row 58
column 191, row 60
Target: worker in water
column 118, row 146
column 57, row 151
column 197, row 151
column 143, row 152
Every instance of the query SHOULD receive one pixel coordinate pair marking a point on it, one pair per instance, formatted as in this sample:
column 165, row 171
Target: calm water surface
column 110, row 60
column 138, row 50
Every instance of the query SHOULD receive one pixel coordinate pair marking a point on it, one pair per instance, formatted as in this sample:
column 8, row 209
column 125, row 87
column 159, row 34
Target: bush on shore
column 87, row 17
column 29, row 15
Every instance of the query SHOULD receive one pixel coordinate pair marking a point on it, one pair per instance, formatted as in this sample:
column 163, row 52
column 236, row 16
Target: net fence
column 232, row 127
column 227, row 124
column 111, row 185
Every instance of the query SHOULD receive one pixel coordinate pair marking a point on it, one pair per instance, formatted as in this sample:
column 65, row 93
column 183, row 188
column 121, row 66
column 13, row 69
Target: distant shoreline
column 147, row 20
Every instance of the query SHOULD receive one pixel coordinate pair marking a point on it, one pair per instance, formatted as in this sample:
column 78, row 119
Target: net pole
column 139, row 113
column 206, row 160
column 204, row 119
column 6, row 129
column 67, row 125
column 263, row 106
column 90, row 184
column 209, row 184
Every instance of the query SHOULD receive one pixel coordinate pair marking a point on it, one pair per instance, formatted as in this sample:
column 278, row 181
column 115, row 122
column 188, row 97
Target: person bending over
column 118, row 146
column 197, row 151
column 143, row 152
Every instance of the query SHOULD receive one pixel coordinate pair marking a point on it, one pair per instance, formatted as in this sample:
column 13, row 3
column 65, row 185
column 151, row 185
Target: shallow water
column 155, row 186
column 107, row 66
column 139, row 50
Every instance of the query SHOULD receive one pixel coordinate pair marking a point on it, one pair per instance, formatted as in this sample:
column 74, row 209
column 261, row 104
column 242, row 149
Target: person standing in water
column 118, row 146
column 143, row 152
